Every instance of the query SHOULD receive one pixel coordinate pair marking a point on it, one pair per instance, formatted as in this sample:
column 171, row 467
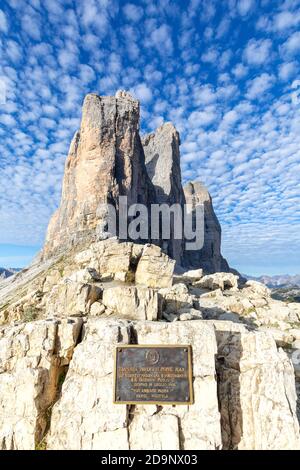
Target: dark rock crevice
column 52, row 390
column 108, row 159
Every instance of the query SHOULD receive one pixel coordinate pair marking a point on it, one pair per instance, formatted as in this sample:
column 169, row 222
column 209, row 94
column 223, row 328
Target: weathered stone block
column 154, row 269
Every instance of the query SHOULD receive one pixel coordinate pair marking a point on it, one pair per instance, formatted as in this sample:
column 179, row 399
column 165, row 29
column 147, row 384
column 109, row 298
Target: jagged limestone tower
column 108, row 159
column 209, row 257
column 105, row 160
column 162, row 156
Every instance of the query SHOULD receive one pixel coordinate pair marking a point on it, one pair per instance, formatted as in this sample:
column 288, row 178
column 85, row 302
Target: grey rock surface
column 105, row 160
column 209, row 257
column 162, row 156
column 108, row 159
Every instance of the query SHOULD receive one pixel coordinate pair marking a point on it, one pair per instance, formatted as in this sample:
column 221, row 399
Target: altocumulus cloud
column 221, row 71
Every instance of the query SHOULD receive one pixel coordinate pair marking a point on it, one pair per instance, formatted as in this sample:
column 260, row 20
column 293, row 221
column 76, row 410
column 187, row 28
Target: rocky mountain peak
column 105, row 160
column 209, row 257
column 197, row 191
column 108, row 159
column 63, row 317
column 162, row 156
column 123, row 94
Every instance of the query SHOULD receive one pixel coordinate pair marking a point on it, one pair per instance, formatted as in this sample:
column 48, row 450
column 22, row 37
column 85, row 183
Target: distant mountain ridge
column 6, row 272
column 284, row 280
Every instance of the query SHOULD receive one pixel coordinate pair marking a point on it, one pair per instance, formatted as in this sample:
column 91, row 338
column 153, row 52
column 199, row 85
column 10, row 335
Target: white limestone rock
column 256, row 391
column 198, row 424
column 109, row 258
column 154, row 269
column 192, row 275
column 283, row 339
column 209, row 257
column 175, row 298
column 159, row 431
column 97, row 309
column 32, row 357
column 69, row 297
column 85, row 416
column 255, row 381
column 108, row 139
column 132, row 302
column 218, row 281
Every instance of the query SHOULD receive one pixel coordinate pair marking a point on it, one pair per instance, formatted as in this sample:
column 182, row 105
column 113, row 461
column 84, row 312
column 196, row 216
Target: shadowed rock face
column 107, row 159
column 209, row 257
column 162, row 158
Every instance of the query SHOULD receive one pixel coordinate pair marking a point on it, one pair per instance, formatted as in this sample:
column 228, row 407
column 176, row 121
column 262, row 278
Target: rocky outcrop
column 105, row 160
column 33, row 361
column 86, row 418
column 72, row 296
column 255, row 382
column 175, row 299
column 184, row 430
column 154, row 269
column 122, row 293
column 131, row 302
column 209, row 257
column 162, row 157
column 71, row 284
column 57, row 388
column 221, row 281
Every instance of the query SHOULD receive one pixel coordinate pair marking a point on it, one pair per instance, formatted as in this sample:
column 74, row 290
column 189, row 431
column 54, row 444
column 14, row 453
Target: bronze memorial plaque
column 153, row 375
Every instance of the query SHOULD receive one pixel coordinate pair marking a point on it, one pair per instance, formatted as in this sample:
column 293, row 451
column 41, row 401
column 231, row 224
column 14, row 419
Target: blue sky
column 225, row 73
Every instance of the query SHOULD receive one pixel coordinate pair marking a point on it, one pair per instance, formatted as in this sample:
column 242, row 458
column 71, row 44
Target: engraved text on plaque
column 153, row 374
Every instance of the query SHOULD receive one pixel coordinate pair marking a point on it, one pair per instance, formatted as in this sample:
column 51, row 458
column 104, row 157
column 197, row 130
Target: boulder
column 97, row 309
column 155, row 269
column 295, row 357
column 69, row 298
column 258, row 288
column 218, row 281
column 192, row 275
column 198, row 425
column 175, row 299
column 283, row 339
column 132, row 302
